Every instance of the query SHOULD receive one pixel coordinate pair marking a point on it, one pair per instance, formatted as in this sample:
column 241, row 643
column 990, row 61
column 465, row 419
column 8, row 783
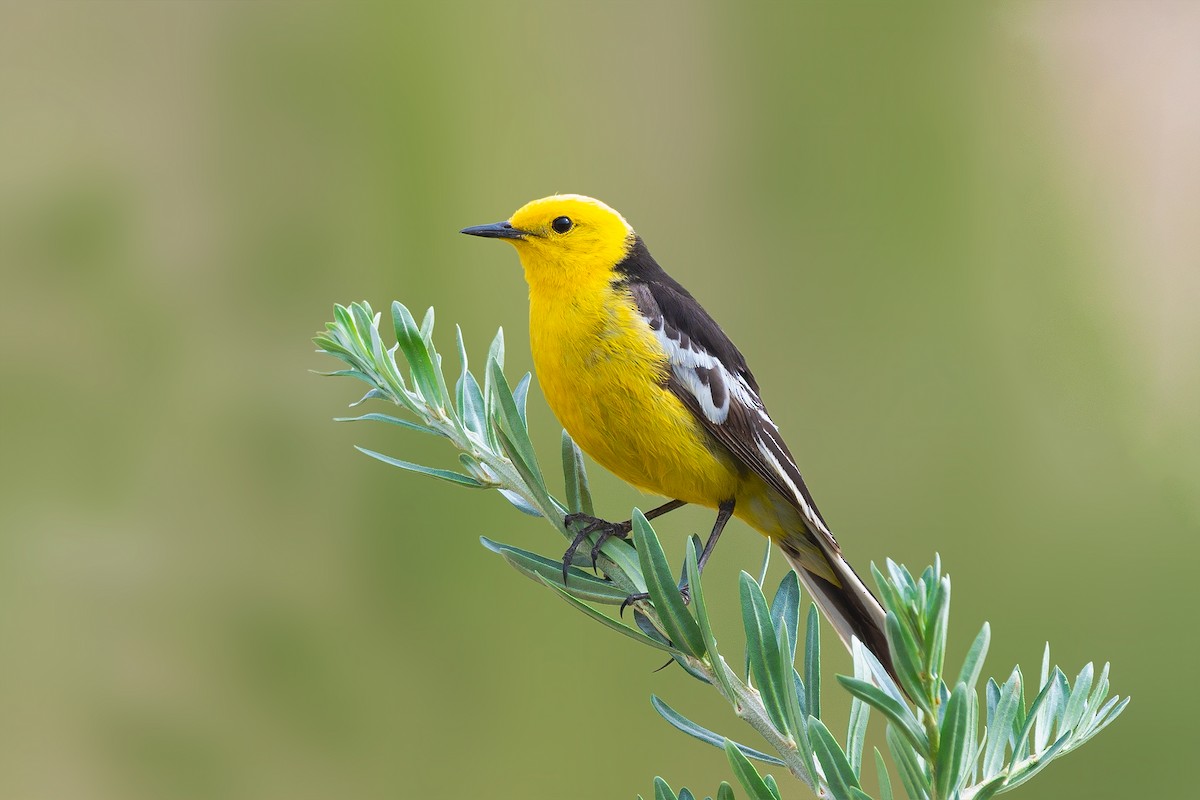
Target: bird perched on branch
column 650, row 387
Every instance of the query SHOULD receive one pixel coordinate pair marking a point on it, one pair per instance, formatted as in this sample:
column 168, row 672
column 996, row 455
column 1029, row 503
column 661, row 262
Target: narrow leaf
column 374, row 417
column 885, row 780
column 763, row 651
column 973, row 664
column 897, row 713
column 446, row 475
column 839, row 775
column 746, row 774
column 579, row 494
column 785, row 610
column 812, row 663
column 955, row 740
column 580, row 584
column 684, row 724
column 664, row 593
column 609, row 622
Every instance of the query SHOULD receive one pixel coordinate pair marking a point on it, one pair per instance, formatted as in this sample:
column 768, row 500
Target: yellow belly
column 601, row 371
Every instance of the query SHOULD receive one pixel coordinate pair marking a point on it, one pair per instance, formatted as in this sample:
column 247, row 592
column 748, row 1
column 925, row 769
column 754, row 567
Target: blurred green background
column 958, row 245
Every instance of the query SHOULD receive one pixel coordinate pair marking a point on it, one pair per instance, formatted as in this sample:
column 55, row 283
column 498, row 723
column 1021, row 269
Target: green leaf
column 519, row 502
column 793, row 712
column 664, row 593
column 955, row 742
column 662, row 791
column 812, row 663
column 725, row 792
column 990, row 788
column 1000, row 726
column 772, row 786
column 521, row 396
column 446, row 475
column 973, row 663
column 700, row 606
column 508, row 419
column 1023, row 739
column 416, row 352
column 579, row 494
column 939, row 614
column 745, row 772
column 897, row 713
column 580, row 584
column 785, row 610
column 609, row 622
column 885, row 780
column 839, row 775
column 529, row 473
column 913, row 774
column 1077, row 704
column 905, row 655
column 403, row 423
column 471, row 407
column 860, row 713
column 684, row 724
column 763, row 652
column 685, row 794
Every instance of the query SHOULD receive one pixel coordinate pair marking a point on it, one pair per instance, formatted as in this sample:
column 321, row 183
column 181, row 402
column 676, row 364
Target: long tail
column 848, row 604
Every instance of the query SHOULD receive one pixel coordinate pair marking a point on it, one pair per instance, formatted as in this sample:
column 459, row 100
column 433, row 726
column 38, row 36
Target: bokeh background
column 960, row 246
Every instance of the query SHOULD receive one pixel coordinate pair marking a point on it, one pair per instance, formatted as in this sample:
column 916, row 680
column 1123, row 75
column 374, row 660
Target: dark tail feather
column 850, row 608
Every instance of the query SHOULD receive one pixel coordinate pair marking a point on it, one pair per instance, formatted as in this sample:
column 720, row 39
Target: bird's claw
column 684, row 592
column 606, row 529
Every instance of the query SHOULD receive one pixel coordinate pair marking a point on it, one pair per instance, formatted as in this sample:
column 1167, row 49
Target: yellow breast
column 601, row 370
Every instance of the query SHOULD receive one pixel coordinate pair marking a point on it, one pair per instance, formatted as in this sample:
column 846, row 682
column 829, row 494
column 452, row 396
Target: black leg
column 606, row 529
column 724, row 514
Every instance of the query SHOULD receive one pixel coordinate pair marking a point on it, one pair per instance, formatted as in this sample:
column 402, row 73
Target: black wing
column 710, row 376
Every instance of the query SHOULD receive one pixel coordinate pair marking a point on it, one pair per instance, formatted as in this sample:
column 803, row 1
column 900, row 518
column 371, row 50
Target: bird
column 651, row 388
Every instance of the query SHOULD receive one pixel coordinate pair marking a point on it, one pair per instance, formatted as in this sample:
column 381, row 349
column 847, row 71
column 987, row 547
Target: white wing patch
column 703, row 374
column 717, row 392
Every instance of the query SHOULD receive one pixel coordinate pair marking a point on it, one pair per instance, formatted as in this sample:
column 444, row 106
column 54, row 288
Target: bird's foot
column 684, row 592
column 605, row 529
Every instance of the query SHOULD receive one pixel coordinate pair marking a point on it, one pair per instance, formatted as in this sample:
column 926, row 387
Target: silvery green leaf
column 521, row 396
column 860, row 714
column 662, row 791
column 579, row 583
column 685, row 794
column 374, row 394
column 403, row 423
column 664, row 593
column 579, row 494
column 785, row 610
column 1036, row 764
column 446, row 475
column 700, row 606
column 763, row 651
column 1024, row 741
column 1000, row 726
column 769, row 780
column 898, row 713
column 790, row 698
column 839, row 775
column 906, row 661
column 746, row 774
column 956, row 743
column 416, row 353
column 885, row 780
column 519, row 503
column 939, row 615
column 608, row 622
column 725, row 792
column 812, row 663
column 913, row 774
column 704, row 734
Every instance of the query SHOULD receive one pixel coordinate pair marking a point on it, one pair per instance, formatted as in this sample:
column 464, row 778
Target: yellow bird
column 650, row 387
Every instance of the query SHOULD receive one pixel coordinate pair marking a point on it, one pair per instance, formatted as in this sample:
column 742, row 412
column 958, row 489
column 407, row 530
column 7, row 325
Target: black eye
column 562, row 224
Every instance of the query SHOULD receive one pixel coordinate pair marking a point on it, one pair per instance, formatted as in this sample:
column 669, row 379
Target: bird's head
column 563, row 237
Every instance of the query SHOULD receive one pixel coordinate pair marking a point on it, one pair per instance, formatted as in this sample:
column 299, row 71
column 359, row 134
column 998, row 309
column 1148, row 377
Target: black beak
column 497, row 230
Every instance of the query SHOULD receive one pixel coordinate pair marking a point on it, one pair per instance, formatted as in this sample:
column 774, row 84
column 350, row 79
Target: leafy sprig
column 933, row 723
